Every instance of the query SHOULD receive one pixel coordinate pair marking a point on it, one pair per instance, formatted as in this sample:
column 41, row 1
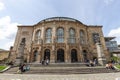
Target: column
column 78, row 55
column 42, row 42
column 66, row 55
column 67, row 51
column 52, row 54
column 38, row 57
column 42, row 34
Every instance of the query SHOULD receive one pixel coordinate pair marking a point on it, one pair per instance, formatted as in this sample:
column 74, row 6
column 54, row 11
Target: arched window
column 82, row 37
column 72, row 35
column 37, row 36
column 60, row 35
column 48, row 36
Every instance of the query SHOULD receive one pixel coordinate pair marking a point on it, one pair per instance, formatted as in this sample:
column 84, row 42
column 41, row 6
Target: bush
column 115, row 59
column 118, row 66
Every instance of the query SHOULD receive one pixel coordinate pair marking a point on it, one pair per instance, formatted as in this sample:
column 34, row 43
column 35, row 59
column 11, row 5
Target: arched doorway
column 47, row 54
column 74, row 55
column 85, row 56
column 35, row 55
column 60, row 55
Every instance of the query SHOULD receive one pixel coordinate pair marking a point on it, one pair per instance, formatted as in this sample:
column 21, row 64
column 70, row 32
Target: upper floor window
column 48, row 35
column 72, row 35
column 82, row 37
column 37, row 36
column 60, row 35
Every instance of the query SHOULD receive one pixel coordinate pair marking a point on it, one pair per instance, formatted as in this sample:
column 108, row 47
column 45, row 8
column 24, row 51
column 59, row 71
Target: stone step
column 12, row 70
column 59, row 64
column 63, row 70
column 68, row 71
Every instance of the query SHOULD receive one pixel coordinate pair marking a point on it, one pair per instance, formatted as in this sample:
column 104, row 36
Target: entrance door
column 74, row 56
column 35, row 55
column 60, row 55
column 47, row 54
column 85, row 56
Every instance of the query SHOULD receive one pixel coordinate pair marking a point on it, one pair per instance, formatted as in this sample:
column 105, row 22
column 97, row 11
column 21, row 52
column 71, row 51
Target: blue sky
column 30, row 12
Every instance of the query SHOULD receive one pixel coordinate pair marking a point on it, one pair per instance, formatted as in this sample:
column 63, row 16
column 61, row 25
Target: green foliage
column 114, row 58
column 2, row 67
column 118, row 66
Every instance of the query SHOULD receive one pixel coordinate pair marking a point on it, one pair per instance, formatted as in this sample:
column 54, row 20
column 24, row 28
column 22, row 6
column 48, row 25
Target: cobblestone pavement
column 102, row 76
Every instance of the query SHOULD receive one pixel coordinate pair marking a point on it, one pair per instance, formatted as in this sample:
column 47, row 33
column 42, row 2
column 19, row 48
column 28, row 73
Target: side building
column 112, row 46
column 60, row 39
column 4, row 56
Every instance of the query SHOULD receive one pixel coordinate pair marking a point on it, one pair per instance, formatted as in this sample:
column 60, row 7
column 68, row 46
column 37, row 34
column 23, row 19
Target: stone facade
column 4, row 54
column 60, row 39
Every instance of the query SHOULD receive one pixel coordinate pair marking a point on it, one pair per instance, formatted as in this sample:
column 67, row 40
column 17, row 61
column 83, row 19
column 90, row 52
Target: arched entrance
column 74, row 55
column 35, row 55
column 47, row 54
column 85, row 56
column 60, row 55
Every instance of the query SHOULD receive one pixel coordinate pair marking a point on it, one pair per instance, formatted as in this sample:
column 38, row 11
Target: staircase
column 69, row 70
column 12, row 70
column 74, row 68
column 59, row 65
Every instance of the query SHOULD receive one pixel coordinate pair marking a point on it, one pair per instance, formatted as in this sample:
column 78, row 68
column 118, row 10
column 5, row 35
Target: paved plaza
column 101, row 76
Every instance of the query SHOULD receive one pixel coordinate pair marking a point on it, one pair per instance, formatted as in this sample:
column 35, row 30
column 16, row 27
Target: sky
column 30, row 12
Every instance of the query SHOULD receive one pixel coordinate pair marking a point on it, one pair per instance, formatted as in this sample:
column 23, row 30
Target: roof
column 116, row 51
column 60, row 19
column 109, row 38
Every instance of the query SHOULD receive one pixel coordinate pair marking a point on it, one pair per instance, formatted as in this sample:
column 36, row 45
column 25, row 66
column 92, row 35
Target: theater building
column 60, row 39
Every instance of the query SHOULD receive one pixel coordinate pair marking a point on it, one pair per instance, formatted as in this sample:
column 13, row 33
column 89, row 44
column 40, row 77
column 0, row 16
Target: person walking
column 47, row 61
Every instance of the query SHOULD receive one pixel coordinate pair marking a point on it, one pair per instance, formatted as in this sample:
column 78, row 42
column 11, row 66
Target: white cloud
column 7, row 27
column 8, row 44
column 115, row 33
column 107, row 2
column 1, row 6
column 7, row 31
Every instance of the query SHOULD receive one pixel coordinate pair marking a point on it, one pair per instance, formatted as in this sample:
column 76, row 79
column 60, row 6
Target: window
column 72, row 35
column 82, row 37
column 37, row 36
column 48, row 36
column 60, row 35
